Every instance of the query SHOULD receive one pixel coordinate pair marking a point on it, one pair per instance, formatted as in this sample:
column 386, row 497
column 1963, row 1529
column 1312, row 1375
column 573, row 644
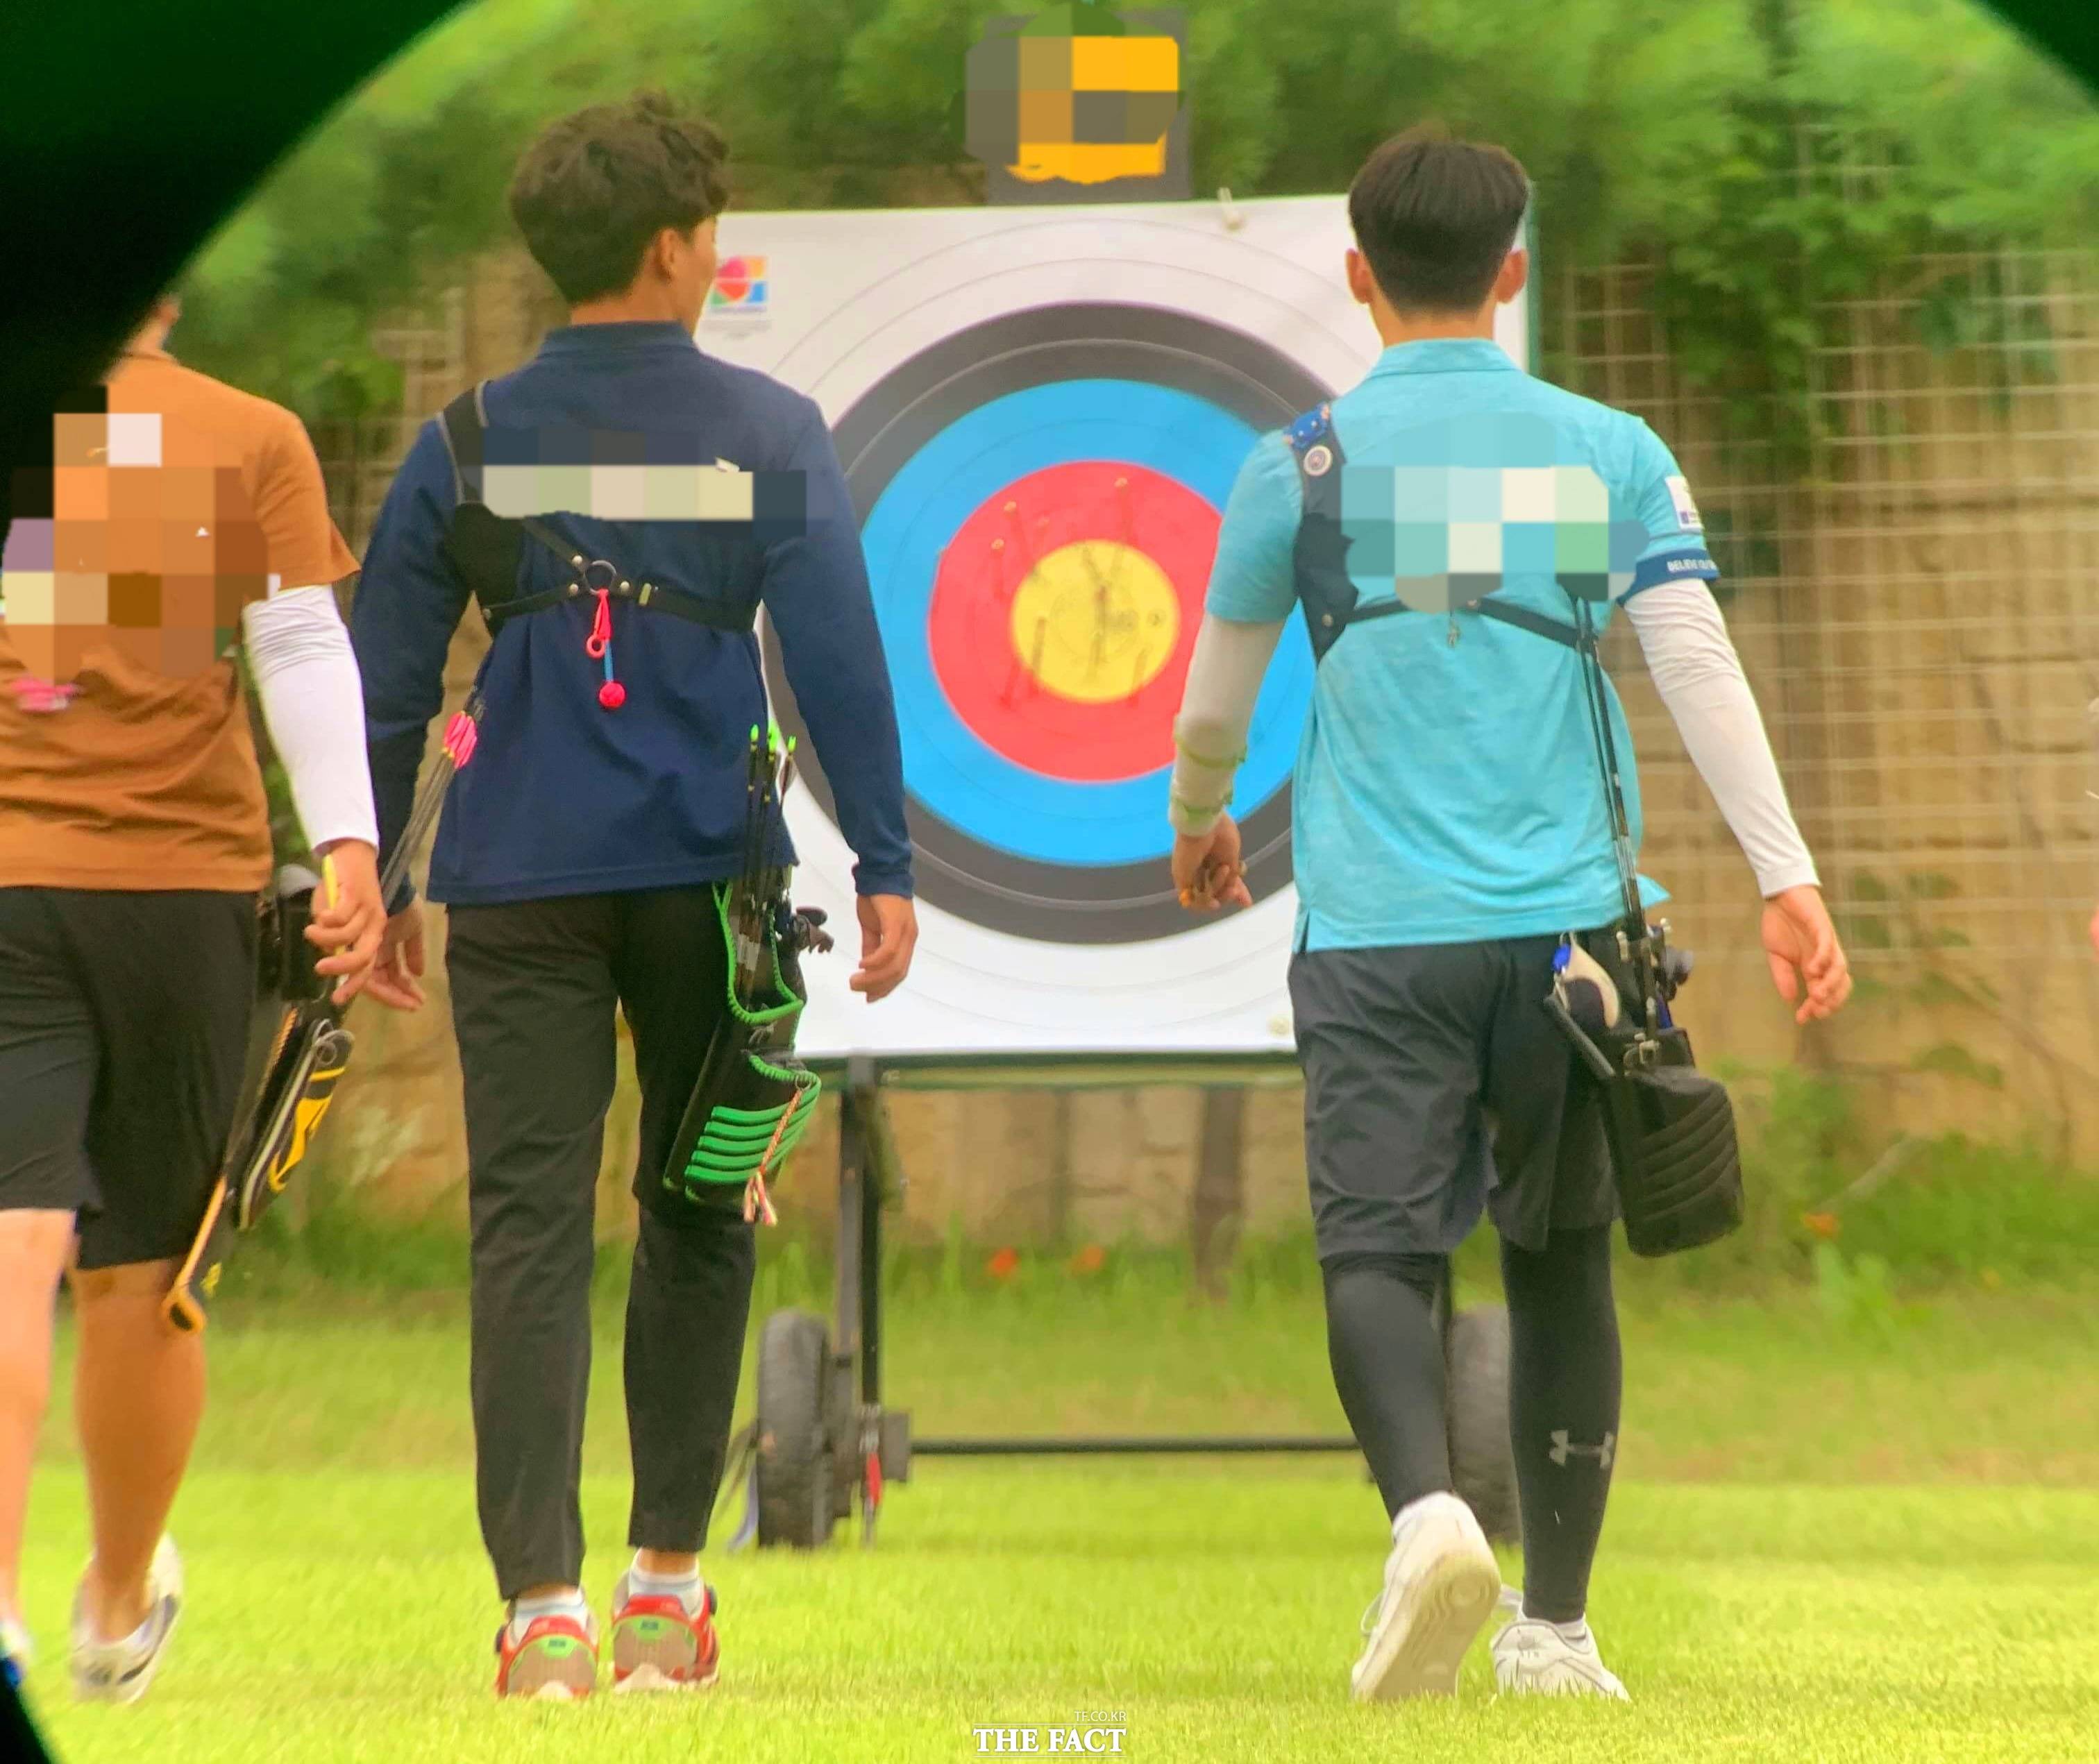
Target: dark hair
column 1436, row 219
column 596, row 187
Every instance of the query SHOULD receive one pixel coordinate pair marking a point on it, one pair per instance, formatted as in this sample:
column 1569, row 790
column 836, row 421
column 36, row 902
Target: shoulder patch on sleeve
column 1688, row 517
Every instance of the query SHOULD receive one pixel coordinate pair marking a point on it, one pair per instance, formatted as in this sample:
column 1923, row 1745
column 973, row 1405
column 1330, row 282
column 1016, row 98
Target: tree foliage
column 1714, row 134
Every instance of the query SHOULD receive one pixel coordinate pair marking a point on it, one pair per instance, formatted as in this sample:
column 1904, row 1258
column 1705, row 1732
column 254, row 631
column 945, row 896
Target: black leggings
column 1565, row 1382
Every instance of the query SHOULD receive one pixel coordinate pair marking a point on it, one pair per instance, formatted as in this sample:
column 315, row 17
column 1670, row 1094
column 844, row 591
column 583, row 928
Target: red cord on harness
column 612, row 695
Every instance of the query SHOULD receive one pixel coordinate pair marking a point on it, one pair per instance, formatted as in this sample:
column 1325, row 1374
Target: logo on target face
column 741, row 289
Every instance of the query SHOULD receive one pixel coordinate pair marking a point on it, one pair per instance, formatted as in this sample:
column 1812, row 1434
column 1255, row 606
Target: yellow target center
column 1096, row 621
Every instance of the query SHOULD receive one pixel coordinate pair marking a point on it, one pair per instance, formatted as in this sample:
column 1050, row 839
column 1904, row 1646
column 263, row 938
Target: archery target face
column 1040, row 415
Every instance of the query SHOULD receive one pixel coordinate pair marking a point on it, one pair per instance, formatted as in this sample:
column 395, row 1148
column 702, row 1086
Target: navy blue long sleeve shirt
column 563, row 796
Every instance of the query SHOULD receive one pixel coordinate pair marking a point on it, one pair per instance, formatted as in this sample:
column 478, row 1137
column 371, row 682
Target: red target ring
column 1064, row 614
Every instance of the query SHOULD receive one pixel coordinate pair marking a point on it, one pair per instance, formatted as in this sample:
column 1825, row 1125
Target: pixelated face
column 116, row 547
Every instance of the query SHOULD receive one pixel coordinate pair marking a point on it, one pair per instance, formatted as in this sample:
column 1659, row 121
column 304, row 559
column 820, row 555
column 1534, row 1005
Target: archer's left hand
column 1806, row 958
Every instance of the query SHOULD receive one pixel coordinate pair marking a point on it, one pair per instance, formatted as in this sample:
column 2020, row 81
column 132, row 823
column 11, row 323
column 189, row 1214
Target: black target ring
column 888, row 427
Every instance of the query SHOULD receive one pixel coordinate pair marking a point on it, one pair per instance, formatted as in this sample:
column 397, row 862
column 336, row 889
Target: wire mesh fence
column 1917, row 612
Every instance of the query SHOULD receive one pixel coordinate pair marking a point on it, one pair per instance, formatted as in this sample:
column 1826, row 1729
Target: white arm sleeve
column 313, row 701
column 1694, row 668
column 1216, row 708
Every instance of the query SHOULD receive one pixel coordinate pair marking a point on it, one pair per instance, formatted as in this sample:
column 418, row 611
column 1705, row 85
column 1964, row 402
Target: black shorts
column 1436, row 1087
column 123, row 1034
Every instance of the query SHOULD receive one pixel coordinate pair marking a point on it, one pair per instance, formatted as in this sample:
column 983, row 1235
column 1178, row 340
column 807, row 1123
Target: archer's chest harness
column 488, row 549
column 1330, row 601
column 753, row 1099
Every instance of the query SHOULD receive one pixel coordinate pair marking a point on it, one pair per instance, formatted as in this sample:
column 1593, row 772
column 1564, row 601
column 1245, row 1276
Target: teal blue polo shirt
column 1447, row 787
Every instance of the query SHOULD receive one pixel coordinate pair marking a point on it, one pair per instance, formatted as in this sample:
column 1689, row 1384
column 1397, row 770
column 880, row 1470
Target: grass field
column 1872, row 1539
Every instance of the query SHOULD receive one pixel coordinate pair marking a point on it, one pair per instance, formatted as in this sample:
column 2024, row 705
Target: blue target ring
column 946, row 766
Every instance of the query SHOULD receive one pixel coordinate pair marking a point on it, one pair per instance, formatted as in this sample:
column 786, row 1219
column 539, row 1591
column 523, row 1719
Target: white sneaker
column 1441, row 1582
column 1534, row 1658
column 121, row 1671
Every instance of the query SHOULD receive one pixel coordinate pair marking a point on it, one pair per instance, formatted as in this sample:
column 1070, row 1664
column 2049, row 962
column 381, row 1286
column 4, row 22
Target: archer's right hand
column 349, row 918
column 1807, row 963
column 888, row 935
column 1209, row 869
column 397, row 975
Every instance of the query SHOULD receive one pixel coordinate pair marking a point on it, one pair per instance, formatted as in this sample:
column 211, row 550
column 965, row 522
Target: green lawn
column 1830, row 1543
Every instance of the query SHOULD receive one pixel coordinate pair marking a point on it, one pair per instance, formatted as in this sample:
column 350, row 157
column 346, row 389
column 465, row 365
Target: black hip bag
column 1671, row 1128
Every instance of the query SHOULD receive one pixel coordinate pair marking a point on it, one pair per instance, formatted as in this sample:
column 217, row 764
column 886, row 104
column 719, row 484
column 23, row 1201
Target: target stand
column 823, row 1446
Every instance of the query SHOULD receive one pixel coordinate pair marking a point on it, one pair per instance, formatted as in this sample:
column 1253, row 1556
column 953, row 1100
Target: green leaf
column 1866, row 930
column 1931, row 988
column 1950, row 1059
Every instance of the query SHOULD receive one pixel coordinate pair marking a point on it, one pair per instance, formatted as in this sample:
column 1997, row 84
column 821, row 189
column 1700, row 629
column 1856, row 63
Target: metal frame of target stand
column 831, row 1437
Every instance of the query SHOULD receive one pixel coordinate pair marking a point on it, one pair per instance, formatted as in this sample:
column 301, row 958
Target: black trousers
column 534, row 986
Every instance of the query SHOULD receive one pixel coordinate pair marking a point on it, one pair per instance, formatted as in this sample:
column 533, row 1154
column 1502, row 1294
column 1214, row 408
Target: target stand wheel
column 1482, row 1461
column 796, row 1505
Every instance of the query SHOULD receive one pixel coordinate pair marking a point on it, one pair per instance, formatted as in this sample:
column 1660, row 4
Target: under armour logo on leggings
column 1562, row 1450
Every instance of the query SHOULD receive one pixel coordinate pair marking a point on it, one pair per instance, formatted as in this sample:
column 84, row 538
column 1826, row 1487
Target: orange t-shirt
column 125, row 759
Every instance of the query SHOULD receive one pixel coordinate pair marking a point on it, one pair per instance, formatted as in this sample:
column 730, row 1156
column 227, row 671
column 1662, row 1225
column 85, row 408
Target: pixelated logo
column 126, row 545
column 742, row 290
column 1457, row 511
column 1080, row 102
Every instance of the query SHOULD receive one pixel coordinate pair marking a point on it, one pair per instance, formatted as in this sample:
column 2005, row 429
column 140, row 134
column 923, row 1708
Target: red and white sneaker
column 661, row 1642
column 554, row 1657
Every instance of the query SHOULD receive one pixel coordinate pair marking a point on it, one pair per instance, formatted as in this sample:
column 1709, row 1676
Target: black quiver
column 753, row 1099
